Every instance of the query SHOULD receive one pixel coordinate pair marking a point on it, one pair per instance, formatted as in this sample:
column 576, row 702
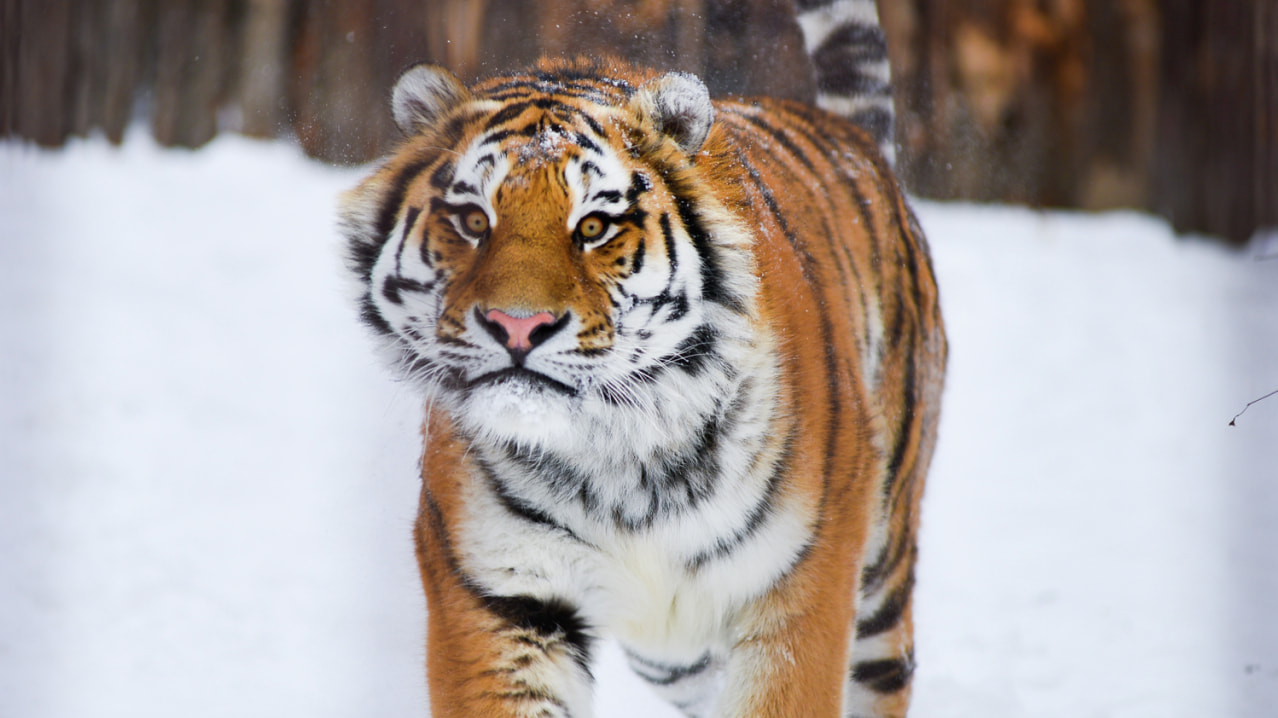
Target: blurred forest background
column 1169, row 106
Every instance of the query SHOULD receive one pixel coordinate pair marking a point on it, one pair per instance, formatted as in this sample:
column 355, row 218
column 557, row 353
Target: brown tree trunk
column 196, row 44
column 1218, row 111
column 263, row 81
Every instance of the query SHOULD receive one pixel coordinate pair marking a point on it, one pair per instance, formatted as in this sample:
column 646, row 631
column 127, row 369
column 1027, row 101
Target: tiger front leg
column 498, row 656
column 792, row 646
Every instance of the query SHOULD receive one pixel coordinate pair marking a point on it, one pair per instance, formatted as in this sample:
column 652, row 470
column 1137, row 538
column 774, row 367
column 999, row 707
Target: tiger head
column 546, row 252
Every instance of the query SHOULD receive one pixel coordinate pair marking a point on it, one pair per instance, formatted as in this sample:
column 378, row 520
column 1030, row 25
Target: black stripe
column 877, row 121
column 554, row 620
column 410, row 219
column 369, row 314
column 667, row 234
column 833, row 440
column 639, row 184
column 592, row 123
column 677, row 304
column 668, row 673
column 443, row 544
column 523, row 90
column 904, row 434
column 841, row 56
column 695, row 352
column 783, row 139
column 847, row 83
column 561, row 478
column 497, row 137
column 365, row 255
column 759, row 514
column 588, row 81
column 393, row 286
column 910, row 241
column 451, row 133
column 417, row 365
column 636, row 261
column 521, row 508
column 524, row 693
column 885, row 564
column 508, row 113
column 362, row 255
column 571, row 77
column 853, row 43
column 522, row 374
column 586, row 143
column 896, row 330
column 442, row 177
column 714, row 286
column 552, row 105
column 889, row 675
column 889, row 614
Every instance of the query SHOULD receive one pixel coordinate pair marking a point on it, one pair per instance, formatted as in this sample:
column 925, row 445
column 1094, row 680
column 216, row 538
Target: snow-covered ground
column 207, row 482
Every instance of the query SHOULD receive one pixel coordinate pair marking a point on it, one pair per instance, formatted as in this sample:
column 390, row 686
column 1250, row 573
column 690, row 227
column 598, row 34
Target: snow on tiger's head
column 547, row 257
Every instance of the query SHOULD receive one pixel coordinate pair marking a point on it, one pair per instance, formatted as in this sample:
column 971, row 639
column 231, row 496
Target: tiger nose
column 520, row 334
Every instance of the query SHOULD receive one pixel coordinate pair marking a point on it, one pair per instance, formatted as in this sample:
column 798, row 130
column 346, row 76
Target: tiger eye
column 591, row 227
column 476, row 222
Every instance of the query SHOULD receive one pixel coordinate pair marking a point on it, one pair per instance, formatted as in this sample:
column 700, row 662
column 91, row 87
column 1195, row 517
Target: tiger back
column 682, row 363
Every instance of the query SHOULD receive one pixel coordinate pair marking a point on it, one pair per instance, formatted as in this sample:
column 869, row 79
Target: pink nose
column 519, row 330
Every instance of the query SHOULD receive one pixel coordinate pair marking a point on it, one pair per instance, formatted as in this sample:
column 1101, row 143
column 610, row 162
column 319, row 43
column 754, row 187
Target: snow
column 207, row 482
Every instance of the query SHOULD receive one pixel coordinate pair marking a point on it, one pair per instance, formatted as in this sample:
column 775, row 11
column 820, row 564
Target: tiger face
column 552, row 281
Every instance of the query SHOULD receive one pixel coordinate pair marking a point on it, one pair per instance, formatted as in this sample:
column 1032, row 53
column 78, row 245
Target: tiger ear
column 679, row 104
column 423, row 95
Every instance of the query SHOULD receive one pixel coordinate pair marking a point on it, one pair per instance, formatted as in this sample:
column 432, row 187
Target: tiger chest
column 669, row 587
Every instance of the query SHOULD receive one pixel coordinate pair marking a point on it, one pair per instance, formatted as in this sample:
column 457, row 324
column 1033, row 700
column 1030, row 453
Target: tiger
column 680, row 361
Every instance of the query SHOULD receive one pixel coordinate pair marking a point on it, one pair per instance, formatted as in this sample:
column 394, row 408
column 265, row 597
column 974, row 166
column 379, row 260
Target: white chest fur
column 670, row 590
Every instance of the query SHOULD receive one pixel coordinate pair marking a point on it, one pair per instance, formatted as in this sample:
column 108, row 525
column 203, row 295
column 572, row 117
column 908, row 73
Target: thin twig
column 1254, row 401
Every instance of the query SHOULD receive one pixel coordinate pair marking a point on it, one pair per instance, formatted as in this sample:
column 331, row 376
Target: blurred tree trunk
column 264, row 78
column 1168, row 105
column 1219, row 111
column 195, row 44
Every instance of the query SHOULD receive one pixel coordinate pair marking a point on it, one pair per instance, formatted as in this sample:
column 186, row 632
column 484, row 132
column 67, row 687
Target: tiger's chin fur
column 681, row 363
